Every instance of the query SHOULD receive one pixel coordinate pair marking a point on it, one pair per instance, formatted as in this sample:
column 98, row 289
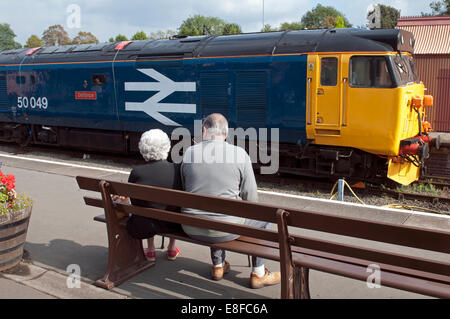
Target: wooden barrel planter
column 13, row 232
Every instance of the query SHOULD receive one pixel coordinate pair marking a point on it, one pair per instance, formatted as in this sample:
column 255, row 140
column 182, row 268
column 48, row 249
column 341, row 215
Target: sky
column 107, row 18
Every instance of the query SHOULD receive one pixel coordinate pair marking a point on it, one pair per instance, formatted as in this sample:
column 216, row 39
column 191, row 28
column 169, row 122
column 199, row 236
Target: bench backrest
column 172, row 198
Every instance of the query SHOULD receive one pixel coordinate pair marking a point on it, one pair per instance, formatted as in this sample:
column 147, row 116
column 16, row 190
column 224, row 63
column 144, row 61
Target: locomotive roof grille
column 297, row 41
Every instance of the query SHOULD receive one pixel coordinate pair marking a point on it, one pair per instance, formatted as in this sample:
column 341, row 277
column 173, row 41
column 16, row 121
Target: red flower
column 8, row 181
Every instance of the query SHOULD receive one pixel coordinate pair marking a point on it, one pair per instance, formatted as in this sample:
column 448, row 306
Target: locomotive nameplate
column 85, row 95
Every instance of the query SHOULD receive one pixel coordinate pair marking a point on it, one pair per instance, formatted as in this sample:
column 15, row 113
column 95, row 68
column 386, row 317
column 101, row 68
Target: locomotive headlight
column 427, row 100
column 417, row 101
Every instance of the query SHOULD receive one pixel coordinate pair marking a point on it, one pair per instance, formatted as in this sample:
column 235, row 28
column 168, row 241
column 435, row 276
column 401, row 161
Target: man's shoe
column 269, row 278
column 217, row 272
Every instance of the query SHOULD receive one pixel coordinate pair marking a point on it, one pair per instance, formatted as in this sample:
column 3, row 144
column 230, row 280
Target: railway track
column 430, row 195
column 438, row 166
column 409, row 195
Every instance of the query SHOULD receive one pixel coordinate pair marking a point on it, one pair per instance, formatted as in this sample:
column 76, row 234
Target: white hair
column 154, row 145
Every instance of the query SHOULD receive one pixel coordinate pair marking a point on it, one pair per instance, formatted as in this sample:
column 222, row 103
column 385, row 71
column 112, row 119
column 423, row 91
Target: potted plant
column 15, row 212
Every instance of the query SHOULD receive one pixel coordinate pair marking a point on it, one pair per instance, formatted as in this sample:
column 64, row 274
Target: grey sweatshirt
column 217, row 168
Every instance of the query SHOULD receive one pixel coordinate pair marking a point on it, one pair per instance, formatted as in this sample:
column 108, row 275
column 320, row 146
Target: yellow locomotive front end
column 412, row 129
column 371, row 101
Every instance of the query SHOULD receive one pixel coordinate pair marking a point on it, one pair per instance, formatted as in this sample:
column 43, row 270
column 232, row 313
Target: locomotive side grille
column 3, row 94
column 214, row 93
column 251, row 99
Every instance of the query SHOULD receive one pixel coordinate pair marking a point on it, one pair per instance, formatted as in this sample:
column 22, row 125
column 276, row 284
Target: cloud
column 107, row 18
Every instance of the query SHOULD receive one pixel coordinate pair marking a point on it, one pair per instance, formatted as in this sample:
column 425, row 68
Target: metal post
column 341, row 190
column 263, row 16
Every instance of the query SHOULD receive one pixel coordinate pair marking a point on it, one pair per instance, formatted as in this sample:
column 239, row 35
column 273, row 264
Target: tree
column 322, row 17
column 339, row 23
column 291, row 26
column 389, row 17
column 55, row 35
column 139, row 36
column 84, row 38
column 120, row 38
column 440, row 7
column 268, row 28
column 111, row 39
column 7, row 36
column 232, row 28
column 328, row 23
column 201, row 25
column 33, row 42
column 162, row 35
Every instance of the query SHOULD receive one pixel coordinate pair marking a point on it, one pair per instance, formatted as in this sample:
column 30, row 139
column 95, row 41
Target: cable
column 397, row 206
column 345, row 183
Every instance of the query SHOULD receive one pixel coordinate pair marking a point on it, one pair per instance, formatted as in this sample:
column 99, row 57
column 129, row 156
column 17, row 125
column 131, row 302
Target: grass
column 419, row 188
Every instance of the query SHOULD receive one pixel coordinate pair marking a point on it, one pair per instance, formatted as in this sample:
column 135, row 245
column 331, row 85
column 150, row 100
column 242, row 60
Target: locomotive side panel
column 76, row 95
column 252, row 92
column 156, row 94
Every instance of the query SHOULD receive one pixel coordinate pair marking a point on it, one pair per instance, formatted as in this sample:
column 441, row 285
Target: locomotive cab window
column 370, row 72
column 20, row 79
column 404, row 69
column 328, row 71
column 98, row 79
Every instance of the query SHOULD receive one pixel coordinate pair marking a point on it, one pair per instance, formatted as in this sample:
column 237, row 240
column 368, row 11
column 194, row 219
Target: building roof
column 432, row 33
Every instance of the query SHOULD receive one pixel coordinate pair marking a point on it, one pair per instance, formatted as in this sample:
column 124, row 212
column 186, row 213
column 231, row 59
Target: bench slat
column 330, row 264
column 172, row 197
column 389, row 279
column 405, row 265
column 382, row 257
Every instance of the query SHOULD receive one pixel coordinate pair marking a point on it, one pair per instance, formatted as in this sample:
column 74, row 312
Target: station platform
column 444, row 138
column 62, row 233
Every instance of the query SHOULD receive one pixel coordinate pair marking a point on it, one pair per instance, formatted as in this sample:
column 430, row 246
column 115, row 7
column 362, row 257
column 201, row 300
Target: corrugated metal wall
column 434, row 72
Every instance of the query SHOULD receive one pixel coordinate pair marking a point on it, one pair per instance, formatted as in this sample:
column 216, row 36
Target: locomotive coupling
column 418, row 145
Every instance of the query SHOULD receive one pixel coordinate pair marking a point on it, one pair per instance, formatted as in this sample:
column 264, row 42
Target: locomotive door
column 328, row 94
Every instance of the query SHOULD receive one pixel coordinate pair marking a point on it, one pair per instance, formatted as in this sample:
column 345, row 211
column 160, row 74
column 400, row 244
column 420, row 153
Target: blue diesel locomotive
column 347, row 102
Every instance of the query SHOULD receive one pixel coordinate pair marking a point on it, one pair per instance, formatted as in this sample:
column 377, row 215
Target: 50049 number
column 32, row 102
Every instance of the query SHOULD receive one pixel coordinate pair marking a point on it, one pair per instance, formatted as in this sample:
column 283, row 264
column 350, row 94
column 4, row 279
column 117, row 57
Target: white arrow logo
column 165, row 86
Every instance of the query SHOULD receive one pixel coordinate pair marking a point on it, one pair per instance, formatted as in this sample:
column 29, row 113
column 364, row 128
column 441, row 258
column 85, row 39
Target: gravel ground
column 126, row 163
column 368, row 199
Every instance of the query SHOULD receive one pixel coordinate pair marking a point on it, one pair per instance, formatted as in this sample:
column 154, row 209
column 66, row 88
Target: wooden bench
column 296, row 254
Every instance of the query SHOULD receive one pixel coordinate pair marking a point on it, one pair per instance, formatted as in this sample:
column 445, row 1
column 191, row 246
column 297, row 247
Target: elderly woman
column 154, row 146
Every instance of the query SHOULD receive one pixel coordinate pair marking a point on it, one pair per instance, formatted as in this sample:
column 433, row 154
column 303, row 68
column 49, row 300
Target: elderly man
column 214, row 167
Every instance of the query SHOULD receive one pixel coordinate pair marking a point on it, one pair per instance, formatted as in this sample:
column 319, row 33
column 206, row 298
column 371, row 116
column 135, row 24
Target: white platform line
column 64, row 164
column 328, row 201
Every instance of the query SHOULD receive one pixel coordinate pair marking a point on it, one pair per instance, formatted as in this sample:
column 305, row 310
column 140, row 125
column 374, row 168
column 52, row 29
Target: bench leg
column 125, row 259
column 125, row 254
column 301, row 283
column 162, row 242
